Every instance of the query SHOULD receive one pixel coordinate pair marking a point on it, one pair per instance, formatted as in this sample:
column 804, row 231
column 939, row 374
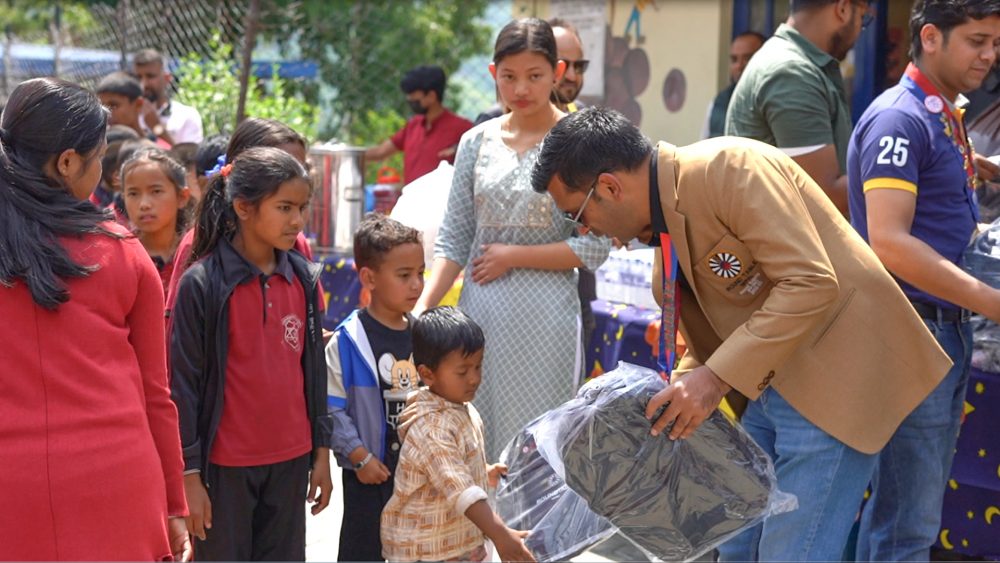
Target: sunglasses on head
column 579, row 66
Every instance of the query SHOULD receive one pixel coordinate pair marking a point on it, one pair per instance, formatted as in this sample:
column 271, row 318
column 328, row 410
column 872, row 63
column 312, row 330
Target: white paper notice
column 589, row 18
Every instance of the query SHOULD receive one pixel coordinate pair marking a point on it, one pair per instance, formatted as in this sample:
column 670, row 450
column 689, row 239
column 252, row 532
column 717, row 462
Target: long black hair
column 251, row 132
column 255, row 174
column 43, row 118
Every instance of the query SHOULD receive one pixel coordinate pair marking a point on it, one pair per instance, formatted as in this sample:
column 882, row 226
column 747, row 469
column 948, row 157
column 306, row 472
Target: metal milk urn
column 338, row 196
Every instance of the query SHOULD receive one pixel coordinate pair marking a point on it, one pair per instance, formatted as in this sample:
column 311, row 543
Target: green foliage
column 30, row 19
column 213, row 86
column 372, row 128
column 364, row 47
column 465, row 98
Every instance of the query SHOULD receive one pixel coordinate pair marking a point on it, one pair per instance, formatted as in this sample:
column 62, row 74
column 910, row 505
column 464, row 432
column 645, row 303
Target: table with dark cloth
column 623, row 332
column 341, row 288
column 970, row 522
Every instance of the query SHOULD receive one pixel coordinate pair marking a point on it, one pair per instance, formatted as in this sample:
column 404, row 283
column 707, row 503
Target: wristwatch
column 159, row 130
column 360, row 465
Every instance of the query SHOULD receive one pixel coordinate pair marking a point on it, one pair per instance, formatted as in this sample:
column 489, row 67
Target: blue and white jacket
column 354, row 394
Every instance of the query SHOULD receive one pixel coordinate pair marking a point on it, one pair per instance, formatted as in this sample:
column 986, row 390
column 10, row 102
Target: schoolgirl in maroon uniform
column 251, row 132
column 248, row 372
column 91, row 461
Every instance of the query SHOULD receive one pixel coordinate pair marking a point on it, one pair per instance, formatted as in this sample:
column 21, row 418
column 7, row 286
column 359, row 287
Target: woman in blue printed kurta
column 519, row 252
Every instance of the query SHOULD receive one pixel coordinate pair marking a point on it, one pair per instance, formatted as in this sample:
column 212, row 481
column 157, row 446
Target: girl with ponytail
column 251, row 132
column 87, row 428
column 247, row 344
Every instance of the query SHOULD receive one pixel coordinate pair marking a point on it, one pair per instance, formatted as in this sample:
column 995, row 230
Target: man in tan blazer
column 781, row 303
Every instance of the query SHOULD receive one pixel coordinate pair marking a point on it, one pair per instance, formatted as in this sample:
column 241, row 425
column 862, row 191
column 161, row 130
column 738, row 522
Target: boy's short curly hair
column 376, row 236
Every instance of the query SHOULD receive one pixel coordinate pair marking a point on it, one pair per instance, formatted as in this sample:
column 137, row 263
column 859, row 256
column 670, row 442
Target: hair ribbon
column 219, row 163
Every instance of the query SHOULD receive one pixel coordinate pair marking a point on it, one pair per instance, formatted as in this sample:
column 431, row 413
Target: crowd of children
column 205, row 435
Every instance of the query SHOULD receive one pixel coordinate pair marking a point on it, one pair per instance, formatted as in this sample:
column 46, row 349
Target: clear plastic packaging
column 982, row 261
column 982, row 256
column 533, row 497
column 675, row 500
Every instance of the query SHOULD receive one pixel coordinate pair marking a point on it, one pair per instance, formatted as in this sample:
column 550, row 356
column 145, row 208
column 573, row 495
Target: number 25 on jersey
column 894, row 151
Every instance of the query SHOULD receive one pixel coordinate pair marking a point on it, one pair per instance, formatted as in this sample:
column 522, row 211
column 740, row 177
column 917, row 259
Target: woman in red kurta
column 91, row 461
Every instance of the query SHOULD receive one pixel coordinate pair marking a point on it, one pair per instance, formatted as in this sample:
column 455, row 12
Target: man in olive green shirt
column 792, row 95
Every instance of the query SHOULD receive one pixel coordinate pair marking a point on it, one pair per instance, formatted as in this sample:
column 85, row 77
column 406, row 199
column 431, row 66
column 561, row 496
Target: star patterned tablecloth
column 970, row 522
column 341, row 289
column 623, row 333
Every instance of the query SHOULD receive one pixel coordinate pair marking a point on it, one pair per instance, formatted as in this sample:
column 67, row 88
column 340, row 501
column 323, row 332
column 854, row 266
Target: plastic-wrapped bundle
column 985, row 344
column 675, row 500
column 982, row 261
column 982, row 256
column 532, row 497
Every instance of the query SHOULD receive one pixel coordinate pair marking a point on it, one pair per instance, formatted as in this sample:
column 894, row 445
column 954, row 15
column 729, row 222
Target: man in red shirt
column 432, row 135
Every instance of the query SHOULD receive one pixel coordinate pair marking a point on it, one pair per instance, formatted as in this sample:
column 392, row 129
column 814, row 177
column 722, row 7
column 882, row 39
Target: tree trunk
column 246, row 70
column 55, row 30
column 8, row 60
column 356, row 48
column 121, row 15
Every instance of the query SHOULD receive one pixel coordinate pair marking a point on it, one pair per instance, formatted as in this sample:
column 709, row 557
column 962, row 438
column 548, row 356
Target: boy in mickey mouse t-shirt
column 370, row 372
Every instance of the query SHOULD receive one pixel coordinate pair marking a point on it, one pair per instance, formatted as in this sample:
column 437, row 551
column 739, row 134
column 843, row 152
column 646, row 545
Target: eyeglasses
column 579, row 66
column 575, row 218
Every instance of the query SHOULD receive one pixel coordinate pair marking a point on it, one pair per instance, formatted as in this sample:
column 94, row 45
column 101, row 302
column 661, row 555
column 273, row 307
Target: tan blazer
column 787, row 294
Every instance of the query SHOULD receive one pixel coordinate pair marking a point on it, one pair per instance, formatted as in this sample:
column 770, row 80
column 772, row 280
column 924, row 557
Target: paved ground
column 323, row 531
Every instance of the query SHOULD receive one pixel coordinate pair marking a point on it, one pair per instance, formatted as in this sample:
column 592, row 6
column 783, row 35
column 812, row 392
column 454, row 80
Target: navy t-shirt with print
column 397, row 375
column 900, row 143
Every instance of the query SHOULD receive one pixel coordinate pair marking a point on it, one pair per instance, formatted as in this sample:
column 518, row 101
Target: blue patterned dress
column 533, row 358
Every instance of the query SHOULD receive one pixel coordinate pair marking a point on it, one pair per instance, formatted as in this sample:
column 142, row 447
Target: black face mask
column 416, row 107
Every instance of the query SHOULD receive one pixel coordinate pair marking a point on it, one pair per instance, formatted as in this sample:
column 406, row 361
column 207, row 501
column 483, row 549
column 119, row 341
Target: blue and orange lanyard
column 670, row 309
column 918, row 85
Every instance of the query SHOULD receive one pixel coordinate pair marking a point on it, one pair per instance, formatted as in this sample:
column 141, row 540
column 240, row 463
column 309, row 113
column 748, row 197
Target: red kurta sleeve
column 145, row 322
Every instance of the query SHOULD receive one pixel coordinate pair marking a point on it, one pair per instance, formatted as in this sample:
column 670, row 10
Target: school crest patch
column 725, row 265
column 293, row 332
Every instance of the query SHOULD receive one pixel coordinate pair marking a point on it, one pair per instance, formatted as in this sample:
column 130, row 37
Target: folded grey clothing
column 533, row 497
column 982, row 260
column 982, row 257
column 674, row 499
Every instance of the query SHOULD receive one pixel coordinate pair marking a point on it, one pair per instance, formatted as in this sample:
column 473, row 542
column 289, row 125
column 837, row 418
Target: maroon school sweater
column 90, row 446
